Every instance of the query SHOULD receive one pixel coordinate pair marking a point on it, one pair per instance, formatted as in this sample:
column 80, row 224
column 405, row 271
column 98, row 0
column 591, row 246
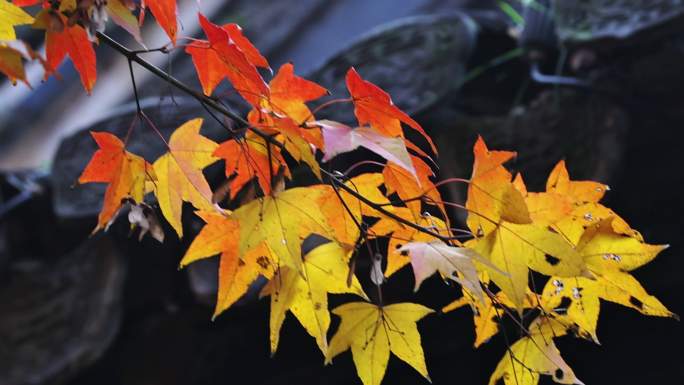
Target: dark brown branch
column 377, row 207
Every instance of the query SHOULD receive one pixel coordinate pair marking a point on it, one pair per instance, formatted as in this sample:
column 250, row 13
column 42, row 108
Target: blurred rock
column 417, row 60
column 59, row 314
column 582, row 22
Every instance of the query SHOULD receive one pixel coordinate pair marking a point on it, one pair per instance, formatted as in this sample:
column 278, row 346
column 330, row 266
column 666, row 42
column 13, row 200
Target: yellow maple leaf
column 603, row 248
column 584, row 295
column 179, row 173
column 236, row 273
column 534, row 355
column 515, row 248
column 570, row 206
column 306, row 295
column 372, row 331
column 282, row 221
column 488, row 313
column 11, row 16
column 11, row 63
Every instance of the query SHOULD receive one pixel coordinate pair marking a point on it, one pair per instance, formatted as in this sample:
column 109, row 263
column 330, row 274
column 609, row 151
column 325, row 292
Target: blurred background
column 596, row 82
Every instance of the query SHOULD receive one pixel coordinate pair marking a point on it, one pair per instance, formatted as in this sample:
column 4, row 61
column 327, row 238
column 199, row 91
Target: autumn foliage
column 260, row 226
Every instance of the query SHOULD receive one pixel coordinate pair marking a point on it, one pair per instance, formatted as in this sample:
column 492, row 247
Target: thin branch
column 208, row 101
column 377, row 207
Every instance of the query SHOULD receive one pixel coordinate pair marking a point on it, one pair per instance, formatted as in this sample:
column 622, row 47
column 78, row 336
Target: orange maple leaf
column 374, row 106
column 126, row 174
column 26, row 3
column 72, row 40
column 299, row 142
column 289, row 93
column 488, row 184
column 165, row 13
column 285, row 110
column 221, row 56
column 405, row 184
column 221, row 234
column 247, row 159
column 11, row 64
column 579, row 191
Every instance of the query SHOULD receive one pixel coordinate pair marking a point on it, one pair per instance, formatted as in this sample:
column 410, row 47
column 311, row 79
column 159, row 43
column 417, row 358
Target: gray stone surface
column 587, row 20
column 59, row 314
column 417, row 60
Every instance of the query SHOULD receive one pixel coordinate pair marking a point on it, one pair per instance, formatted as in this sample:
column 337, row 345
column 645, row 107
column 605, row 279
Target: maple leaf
column 535, row 355
column 251, row 52
column 545, row 207
column 410, row 186
column 306, row 296
column 282, row 221
column 292, row 136
column 179, row 173
column 12, row 54
column 221, row 57
column 374, row 106
column 126, row 174
column 345, row 212
column 285, row 112
column 248, row 159
column 372, row 331
column 236, row 272
column 165, row 13
column 488, row 184
column 26, row 3
column 340, row 138
column 589, row 214
column 579, row 191
column 69, row 40
column 455, row 263
column 603, row 248
column 608, row 255
column 584, row 295
column 571, row 207
column 289, row 94
column 402, row 234
column 514, row 248
column 488, row 313
column 507, row 234
column 11, row 16
column 11, row 64
column 123, row 17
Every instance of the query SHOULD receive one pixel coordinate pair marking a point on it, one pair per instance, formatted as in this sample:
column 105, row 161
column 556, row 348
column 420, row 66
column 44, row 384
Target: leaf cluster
column 261, row 226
